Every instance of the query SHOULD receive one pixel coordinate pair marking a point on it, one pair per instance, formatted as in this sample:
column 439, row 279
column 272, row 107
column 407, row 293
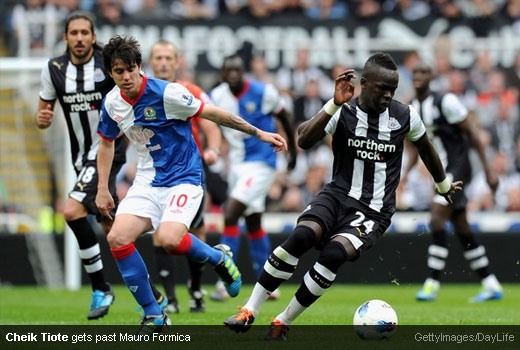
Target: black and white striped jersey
column 80, row 90
column 368, row 150
column 441, row 113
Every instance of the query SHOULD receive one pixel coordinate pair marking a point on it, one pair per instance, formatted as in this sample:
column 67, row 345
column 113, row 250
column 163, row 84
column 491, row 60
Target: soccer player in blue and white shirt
column 253, row 164
column 167, row 191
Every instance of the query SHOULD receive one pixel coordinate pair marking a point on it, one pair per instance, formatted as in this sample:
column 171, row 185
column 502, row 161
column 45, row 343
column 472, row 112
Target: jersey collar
column 139, row 94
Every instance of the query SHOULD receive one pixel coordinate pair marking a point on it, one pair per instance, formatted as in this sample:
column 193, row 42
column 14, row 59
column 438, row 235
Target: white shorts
column 178, row 204
column 249, row 183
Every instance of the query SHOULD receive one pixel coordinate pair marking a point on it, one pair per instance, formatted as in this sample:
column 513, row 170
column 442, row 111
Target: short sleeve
column 47, row 92
column 107, row 127
column 454, row 111
column 179, row 103
column 330, row 128
column 271, row 100
column 417, row 129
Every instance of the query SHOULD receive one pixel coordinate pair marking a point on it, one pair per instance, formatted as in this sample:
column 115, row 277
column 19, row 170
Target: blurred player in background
column 253, row 164
column 79, row 81
column 354, row 210
column 164, row 63
column 446, row 120
column 168, row 188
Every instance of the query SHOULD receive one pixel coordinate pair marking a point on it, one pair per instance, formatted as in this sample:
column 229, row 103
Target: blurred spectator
column 328, row 83
column 446, row 8
column 292, row 80
column 479, row 12
column 145, row 8
column 108, row 12
column 478, row 74
column 194, row 9
column 511, row 11
column 513, row 75
column 235, row 6
column 497, row 103
column 417, row 193
column 480, row 196
column 259, row 71
column 35, row 28
column 410, row 10
column 326, row 9
column 441, row 82
column 306, row 106
column 405, row 91
column 366, row 8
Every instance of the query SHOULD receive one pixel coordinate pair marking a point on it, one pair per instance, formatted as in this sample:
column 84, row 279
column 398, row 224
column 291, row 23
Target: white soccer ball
column 375, row 319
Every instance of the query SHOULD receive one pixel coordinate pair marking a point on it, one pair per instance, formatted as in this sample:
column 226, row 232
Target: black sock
column 166, row 267
column 156, row 293
column 475, row 254
column 321, row 276
column 90, row 253
column 437, row 254
column 196, row 269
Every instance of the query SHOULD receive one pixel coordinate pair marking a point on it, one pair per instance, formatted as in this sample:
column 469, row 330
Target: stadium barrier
column 399, row 257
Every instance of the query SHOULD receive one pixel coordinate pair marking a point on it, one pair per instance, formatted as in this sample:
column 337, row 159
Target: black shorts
column 346, row 218
column 85, row 189
column 198, row 220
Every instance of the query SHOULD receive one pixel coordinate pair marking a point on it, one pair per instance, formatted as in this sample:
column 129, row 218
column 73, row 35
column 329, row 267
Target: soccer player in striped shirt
column 354, row 209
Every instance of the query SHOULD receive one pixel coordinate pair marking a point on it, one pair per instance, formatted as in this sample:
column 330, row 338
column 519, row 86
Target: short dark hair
column 82, row 15
column 126, row 49
column 379, row 59
column 231, row 58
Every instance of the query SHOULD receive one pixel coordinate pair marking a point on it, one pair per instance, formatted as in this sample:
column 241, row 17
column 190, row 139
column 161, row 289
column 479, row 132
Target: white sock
column 491, row 282
column 293, row 310
column 436, row 284
column 257, row 298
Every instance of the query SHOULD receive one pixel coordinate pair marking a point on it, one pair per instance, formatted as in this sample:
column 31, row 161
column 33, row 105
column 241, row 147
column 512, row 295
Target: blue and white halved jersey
column 256, row 104
column 157, row 122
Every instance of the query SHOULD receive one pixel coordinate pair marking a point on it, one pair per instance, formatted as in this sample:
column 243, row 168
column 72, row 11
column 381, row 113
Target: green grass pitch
column 32, row 305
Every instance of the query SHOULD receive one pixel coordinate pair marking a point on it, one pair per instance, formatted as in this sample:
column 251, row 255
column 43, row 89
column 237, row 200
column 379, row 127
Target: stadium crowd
column 490, row 92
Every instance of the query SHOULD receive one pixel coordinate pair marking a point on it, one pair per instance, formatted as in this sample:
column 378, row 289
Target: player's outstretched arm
column 44, row 114
column 105, row 156
column 313, row 130
column 225, row 118
column 433, row 163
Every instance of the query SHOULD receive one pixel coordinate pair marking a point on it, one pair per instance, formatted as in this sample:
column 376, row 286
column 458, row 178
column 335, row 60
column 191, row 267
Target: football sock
column 280, row 266
column 259, row 249
column 197, row 250
column 475, row 254
column 231, row 237
column 196, row 269
column 166, row 267
column 316, row 281
column 89, row 253
column 134, row 273
column 437, row 254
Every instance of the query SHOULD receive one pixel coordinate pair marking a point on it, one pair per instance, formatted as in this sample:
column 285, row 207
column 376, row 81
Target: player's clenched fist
column 44, row 117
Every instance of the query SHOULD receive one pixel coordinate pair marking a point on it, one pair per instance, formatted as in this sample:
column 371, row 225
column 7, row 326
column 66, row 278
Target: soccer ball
column 375, row 319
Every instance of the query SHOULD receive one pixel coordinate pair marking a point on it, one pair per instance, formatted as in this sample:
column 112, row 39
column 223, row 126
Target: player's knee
column 334, row 255
column 169, row 240
column 300, row 241
column 72, row 213
column 117, row 239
